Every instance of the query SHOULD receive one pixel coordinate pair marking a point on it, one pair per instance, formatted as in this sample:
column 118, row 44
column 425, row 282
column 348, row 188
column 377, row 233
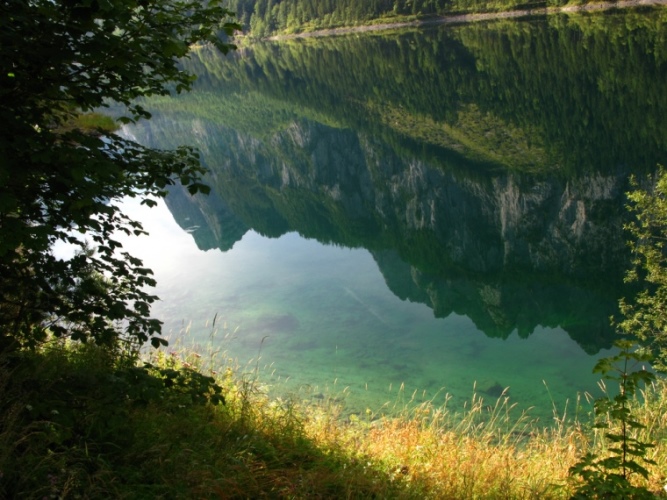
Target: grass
column 477, row 135
column 77, row 422
column 89, row 123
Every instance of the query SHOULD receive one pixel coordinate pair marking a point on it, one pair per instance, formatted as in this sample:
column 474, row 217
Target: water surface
column 422, row 210
column 322, row 317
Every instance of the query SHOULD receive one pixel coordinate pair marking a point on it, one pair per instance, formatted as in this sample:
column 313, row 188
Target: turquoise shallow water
column 322, row 321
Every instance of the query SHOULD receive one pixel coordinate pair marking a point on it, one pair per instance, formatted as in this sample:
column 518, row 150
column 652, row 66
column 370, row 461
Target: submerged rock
column 492, row 388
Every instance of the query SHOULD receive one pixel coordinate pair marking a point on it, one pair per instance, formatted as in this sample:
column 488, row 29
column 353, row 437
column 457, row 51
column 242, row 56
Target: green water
column 412, row 212
column 323, row 322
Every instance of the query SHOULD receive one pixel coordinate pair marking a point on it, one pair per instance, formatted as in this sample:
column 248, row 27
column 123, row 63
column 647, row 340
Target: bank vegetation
column 80, row 422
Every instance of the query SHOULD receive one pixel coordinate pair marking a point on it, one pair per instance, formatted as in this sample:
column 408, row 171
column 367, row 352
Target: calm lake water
column 420, row 210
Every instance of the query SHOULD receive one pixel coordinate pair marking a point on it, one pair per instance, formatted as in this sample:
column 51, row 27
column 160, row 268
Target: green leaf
column 158, row 342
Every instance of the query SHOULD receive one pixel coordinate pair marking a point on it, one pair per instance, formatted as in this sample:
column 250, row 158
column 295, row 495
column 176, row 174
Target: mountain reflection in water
column 483, row 167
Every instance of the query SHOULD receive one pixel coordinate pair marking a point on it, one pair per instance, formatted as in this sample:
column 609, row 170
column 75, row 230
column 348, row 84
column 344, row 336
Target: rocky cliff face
column 209, row 219
column 483, row 222
column 488, row 222
column 507, row 250
column 472, row 242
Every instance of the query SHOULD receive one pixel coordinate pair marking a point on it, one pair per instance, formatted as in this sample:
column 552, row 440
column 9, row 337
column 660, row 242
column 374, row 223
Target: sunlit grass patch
column 89, row 123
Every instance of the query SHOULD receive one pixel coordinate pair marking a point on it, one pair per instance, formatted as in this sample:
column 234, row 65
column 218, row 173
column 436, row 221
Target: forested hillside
column 551, row 86
column 265, row 17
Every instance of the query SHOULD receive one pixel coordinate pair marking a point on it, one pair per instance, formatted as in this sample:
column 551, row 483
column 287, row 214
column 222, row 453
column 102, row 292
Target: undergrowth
column 78, row 422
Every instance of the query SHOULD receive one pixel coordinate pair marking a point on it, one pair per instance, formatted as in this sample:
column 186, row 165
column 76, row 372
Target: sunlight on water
column 323, row 321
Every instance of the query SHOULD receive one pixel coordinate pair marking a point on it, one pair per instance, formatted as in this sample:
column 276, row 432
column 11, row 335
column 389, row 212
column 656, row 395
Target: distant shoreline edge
column 470, row 18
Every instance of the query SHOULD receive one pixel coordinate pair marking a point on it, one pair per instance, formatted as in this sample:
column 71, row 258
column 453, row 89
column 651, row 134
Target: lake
column 411, row 214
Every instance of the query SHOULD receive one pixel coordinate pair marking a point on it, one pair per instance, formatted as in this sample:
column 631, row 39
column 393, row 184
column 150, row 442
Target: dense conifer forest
column 265, row 17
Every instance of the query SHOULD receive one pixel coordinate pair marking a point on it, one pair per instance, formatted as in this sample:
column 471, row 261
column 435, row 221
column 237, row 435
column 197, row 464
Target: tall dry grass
column 69, row 429
column 488, row 449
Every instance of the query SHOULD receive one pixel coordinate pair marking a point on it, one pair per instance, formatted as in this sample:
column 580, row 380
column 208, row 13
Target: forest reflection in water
column 428, row 207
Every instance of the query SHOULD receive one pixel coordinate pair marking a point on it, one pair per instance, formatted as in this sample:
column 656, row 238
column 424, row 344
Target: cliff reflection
column 483, row 181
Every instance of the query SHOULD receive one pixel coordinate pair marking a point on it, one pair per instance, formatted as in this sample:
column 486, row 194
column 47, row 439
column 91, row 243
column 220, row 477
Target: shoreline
column 470, row 18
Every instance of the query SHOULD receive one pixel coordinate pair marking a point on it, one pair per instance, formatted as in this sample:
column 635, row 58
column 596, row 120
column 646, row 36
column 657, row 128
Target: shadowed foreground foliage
column 63, row 170
column 79, row 422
